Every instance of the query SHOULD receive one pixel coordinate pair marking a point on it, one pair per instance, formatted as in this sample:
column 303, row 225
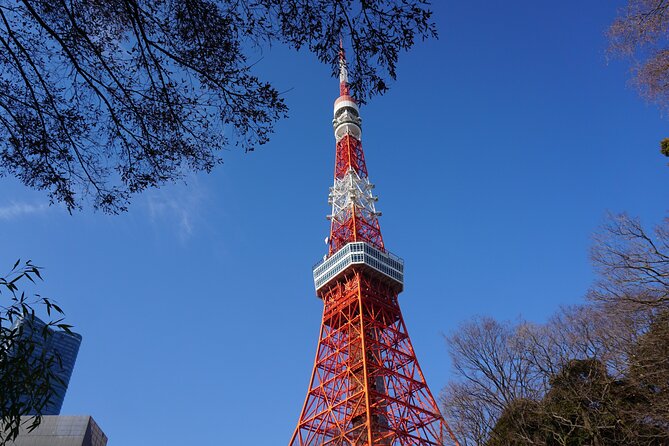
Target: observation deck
column 385, row 265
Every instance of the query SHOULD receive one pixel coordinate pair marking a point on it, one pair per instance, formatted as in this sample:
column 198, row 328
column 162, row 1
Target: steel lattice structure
column 366, row 388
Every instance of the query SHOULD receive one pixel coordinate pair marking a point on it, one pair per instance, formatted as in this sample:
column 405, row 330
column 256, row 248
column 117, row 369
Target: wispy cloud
column 16, row 210
column 161, row 207
column 177, row 205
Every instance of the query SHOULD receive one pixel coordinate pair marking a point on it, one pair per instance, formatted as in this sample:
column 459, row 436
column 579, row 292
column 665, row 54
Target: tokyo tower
column 366, row 387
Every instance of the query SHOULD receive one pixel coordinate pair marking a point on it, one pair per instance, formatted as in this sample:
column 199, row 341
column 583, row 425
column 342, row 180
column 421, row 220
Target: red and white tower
column 366, row 387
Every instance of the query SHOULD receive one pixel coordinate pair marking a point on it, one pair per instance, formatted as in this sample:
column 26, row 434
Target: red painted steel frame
column 350, row 156
column 367, row 388
column 356, row 227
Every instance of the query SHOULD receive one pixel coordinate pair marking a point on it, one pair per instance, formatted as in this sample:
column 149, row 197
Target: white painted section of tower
column 350, row 191
column 347, row 121
column 346, row 102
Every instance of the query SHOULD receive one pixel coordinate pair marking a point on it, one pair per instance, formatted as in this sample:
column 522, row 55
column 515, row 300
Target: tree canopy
column 101, row 100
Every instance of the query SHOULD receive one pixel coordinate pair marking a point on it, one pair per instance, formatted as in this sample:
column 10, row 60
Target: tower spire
column 343, row 70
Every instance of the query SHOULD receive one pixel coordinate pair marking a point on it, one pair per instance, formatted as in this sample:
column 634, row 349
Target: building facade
column 61, row 431
column 58, row 344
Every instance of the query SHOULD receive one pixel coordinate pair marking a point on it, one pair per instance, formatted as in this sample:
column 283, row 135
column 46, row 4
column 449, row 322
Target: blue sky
column 496, row 155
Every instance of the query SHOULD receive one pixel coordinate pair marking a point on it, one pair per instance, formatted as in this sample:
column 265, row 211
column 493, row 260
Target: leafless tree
column 633, row 268
column 593, row 374
column 640, row 33
column 492, row 360
column 632, row 264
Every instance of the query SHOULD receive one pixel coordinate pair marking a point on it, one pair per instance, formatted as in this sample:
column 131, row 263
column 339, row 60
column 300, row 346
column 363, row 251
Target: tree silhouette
column 103, row 99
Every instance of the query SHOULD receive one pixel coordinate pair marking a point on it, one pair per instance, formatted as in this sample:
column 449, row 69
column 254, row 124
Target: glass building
column 61, row 431
column 64, row 345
